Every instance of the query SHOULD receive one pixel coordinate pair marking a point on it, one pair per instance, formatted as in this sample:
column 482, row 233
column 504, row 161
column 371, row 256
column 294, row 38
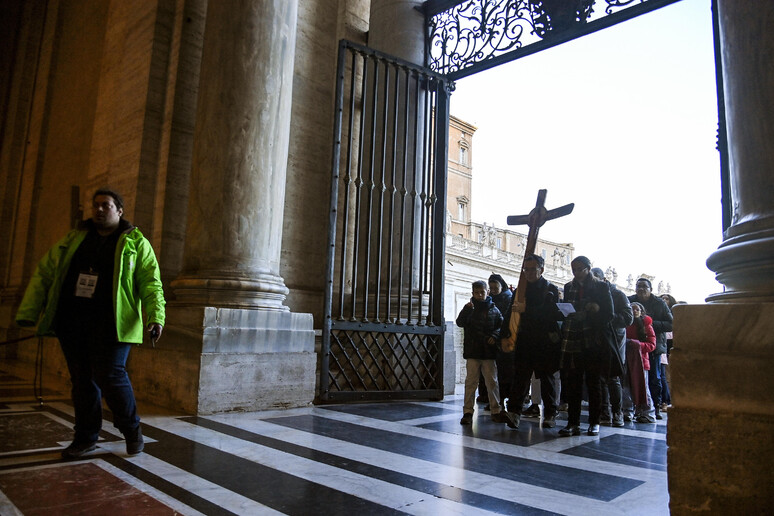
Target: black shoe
column 593, row 430
column 78, row 448
column 549, row 422
column 569, row 430
column 618, row 420
column 532, row 411
column 466, row 419
column 134, row 441
column 509, row 418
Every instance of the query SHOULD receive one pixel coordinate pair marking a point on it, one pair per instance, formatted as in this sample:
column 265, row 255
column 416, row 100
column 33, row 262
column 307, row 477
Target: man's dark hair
column 535, row 258
column 582, row 259
column 598, row 273
column 480, row 284
column 117, row 199
column 646, row 280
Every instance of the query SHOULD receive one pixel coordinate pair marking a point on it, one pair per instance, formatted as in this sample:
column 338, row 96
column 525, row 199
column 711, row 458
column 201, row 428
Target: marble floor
column 408, row 457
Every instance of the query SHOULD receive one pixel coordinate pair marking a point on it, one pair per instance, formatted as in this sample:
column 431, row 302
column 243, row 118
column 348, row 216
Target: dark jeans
column 482, row 391
column 654, row 378
column 520, row 388
column 98, row 368
column 666, row 396
column 574, row 391
column 611, row 396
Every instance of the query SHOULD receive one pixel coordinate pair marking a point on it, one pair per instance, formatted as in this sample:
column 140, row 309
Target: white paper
column 566, row 308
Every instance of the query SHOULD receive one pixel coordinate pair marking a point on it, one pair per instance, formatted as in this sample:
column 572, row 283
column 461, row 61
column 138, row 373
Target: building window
column 499, row 243
column 463, row 155
column 543, row 254
column 461, row 211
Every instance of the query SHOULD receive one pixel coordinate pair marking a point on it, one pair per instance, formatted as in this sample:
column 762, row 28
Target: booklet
column 566, row 308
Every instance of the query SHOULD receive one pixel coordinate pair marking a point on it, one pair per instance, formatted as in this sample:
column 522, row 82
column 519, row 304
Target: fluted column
column 235, row 212
column 744, row 262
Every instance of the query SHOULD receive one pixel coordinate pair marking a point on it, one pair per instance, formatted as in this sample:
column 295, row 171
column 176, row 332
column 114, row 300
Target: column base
column 262, row 291
column 212, row 360
column 721, row 423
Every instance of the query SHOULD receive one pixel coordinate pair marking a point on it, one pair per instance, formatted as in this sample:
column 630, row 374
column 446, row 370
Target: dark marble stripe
column 436, row 489
column 625, row 449
column 528, row 434
column 178, row 493
column 106, row 416
column 395, row 411
column 276, row 489
column 594, row 485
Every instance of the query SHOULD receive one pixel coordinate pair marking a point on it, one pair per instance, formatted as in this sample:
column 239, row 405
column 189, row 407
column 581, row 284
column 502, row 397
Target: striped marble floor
column 385, row 458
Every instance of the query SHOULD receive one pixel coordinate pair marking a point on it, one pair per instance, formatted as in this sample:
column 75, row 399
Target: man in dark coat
column 589, row 346
column 612, row 393
column 502, row 298
column 538, row 342
column 657, row 309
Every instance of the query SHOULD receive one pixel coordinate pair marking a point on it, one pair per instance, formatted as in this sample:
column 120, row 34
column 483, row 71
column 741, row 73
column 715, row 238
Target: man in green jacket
column 89, row 291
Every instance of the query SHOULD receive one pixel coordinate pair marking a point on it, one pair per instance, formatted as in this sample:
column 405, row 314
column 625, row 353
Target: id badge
column 86, row 285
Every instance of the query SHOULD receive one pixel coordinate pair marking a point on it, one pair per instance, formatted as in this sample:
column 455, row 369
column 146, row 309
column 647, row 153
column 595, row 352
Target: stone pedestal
column 212, row 360
column 449, row 360
column 721, row 423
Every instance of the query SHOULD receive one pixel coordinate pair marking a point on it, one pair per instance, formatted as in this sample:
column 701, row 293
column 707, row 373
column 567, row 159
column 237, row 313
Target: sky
column 623, row 123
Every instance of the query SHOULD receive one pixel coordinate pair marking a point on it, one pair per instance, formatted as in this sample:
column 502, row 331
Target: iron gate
column 383, row 334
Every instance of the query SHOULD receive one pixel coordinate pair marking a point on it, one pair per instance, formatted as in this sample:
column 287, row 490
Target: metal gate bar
column 383, row 329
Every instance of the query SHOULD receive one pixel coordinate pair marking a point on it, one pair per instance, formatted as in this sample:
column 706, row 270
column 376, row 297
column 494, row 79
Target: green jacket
column 136, row 284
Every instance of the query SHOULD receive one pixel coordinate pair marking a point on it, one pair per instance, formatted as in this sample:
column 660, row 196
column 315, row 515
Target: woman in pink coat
column 640, row 340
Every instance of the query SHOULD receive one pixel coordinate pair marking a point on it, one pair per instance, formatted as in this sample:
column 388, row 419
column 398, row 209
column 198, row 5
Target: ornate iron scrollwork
column 472, row 31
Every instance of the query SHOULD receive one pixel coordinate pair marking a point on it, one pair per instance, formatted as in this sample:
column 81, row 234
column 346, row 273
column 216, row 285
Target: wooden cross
column 536, row 218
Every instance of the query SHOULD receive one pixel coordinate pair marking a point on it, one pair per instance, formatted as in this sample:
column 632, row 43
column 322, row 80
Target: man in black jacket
column 502, row 298
column 612, row 392
column 538, row 342
column 657, row 309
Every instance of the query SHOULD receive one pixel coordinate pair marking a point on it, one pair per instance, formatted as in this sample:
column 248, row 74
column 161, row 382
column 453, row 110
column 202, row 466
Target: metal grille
column 384, row 329
column 467, row 36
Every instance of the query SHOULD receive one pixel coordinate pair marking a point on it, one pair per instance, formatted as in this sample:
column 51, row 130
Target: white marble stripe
column 7, row 508
column 534, row 496
column 383, row 493
column 583, row 463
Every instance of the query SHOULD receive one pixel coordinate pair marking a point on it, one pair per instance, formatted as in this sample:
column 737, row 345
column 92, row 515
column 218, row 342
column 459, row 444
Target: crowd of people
column 589, row 341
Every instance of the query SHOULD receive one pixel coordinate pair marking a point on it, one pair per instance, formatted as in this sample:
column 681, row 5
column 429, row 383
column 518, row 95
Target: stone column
column 230, row 342
column 235, row 213
column 397, row 28
column 722, row 419
column 744, row 262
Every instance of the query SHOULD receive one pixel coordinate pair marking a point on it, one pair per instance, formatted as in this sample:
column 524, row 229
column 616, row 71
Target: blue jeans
column 654, row 378
column 98, row 368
